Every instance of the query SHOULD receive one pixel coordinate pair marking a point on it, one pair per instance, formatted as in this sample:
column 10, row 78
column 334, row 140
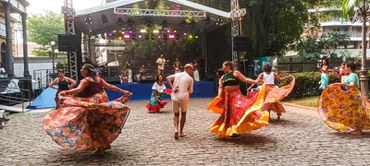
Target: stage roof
column 102, row 19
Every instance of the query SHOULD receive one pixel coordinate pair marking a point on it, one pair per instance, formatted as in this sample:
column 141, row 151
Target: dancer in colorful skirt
column 274, row 94
column 239, row 114
column 64, row 83
column 343, row 107
column 89, row 122
column 324, row 68
column 159, row 91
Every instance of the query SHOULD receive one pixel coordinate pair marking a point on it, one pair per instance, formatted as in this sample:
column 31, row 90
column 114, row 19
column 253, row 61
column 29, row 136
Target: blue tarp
column 44, row 100
column 140, row 91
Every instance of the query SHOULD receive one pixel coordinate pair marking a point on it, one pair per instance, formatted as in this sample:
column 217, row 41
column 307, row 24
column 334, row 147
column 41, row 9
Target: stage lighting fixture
column 156, row 31
column 104, row 18
column 110, row 34
column 174, row 30
column 123, row 32
column 171, row 36
column 159, row 36
column 127, row 36
column 120, row 38
column 196, row 37
column 143, row 31
column 164, row 23
column 185, row 33
column 120, row 22
column 88, row 20
column 140, row 36
column 190, row 36
column 219, row 21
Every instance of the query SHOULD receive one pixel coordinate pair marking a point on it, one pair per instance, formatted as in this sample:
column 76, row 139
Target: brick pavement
column 300, row 138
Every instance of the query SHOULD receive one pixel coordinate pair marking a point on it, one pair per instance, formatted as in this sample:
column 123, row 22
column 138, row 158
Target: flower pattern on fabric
column 239, row 114
column 274, row 95
column 86, row 123
column 344, row 110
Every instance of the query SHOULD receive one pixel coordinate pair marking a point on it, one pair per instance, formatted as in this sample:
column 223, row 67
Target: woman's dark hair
column 351, row 65
column 229, row 64
column 267, row 67
column 343, row 63
column 220, row 72
column 90, row 71
column 324, row 59
column 157, row 78
column 1, row 65
column 60, row 71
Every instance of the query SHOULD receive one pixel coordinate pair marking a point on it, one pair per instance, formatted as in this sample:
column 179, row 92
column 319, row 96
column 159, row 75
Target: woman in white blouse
column 159, row 91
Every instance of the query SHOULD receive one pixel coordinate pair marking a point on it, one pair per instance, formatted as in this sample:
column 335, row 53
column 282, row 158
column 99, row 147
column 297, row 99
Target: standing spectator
column 196, row 72
column 182, row 87
column 142, row 73
column 324, row 68
column 64, row 83
column 161, row 62
column 2, row 71
column 177, row 66
column 128, row 68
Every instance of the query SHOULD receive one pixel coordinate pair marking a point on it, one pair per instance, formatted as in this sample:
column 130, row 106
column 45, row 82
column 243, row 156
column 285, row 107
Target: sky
column 39, row 6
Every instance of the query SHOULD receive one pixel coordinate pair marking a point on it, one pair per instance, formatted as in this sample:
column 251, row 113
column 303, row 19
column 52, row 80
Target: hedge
column 307, row 84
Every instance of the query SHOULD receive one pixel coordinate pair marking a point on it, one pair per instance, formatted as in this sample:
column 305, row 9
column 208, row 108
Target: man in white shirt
column 182, row 87
column 161, row 61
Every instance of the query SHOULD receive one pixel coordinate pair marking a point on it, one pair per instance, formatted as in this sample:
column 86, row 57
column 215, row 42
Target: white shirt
column 185, row 84
column 161, row 62
column 159, row 88
column 268, row 78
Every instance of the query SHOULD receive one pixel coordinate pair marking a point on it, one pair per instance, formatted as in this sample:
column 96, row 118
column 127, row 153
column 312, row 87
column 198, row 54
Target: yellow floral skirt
column 344, row 109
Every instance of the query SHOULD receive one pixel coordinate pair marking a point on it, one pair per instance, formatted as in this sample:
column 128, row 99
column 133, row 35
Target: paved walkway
column 300, row 138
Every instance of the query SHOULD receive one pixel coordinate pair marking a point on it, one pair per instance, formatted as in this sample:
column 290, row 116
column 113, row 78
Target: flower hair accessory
column 95, row 72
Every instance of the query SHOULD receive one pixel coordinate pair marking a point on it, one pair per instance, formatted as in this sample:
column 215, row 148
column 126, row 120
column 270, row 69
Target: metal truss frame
column 158, row 12
column 69, row 15
column 236, row 15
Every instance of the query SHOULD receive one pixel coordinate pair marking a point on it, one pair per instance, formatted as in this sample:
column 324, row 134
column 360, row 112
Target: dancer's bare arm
column 114, row 88
column 243, row 78
column 72, row 82
column 220, row 87
column 51, row 84
column 169, row 80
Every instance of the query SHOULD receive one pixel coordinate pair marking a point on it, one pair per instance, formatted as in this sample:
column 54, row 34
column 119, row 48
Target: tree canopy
column 44, row 28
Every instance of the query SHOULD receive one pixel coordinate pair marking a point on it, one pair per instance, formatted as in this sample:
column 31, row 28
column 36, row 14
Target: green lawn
column 308, row 101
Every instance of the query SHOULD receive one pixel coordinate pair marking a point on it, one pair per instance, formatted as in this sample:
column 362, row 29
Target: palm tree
column 348, row 7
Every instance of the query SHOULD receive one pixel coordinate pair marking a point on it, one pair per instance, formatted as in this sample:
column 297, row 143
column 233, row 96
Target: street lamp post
column 362, row 14
column 53, row 51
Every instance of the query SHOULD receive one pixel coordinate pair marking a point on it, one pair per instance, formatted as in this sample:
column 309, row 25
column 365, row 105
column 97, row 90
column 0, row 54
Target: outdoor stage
column 142, row 91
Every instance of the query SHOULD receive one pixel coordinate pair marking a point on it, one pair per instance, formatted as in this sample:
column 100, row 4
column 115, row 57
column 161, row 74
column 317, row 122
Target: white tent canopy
column 103, row 19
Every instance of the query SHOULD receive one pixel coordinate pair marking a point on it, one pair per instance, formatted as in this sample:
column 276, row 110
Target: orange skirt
column 239, row 114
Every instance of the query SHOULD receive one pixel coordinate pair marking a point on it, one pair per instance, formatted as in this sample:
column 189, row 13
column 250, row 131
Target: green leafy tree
column 44, row 28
